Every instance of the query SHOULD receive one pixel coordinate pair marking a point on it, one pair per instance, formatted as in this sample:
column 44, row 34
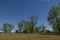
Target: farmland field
column 28, row 37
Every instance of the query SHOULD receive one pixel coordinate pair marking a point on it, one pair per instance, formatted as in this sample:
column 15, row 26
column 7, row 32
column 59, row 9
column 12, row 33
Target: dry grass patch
column 29, row 37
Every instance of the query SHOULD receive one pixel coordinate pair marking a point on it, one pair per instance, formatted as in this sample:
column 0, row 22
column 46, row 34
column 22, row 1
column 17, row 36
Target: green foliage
column 54, row 18
column 16, row 31
column 28, row 26
column 7, row 28
column 20, row 26
column 36, row 30
column 47, row 31
column 42, row 28
column 33, row 22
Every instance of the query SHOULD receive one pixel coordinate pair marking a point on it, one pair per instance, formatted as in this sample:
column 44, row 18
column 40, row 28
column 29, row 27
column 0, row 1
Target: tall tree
column 54, row 18
column 33, row 22
column 20, row 26
column 26, row 25
column 8, row 27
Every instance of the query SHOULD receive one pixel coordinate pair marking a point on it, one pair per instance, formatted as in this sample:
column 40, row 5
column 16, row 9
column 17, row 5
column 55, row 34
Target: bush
column 16, row 31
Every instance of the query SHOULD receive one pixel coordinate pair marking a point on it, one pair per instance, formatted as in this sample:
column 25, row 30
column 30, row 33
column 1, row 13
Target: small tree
column 20, row 26
column 42, row 28
column 8, row 27
column 36, row 29
column 16, row 31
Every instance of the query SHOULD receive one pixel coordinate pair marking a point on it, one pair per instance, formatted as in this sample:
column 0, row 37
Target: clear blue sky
column 13, row 11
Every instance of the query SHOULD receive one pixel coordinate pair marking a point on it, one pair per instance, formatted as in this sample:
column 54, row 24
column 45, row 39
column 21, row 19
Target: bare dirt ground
column 28, row 37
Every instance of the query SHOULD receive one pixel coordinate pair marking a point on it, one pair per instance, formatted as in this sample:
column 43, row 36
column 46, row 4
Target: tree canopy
column 54, row 18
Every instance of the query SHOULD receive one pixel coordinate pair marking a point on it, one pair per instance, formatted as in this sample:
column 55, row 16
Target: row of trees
column 30, row 26
column 25, row 26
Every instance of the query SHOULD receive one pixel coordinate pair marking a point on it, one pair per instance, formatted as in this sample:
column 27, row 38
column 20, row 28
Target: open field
column 29, row 37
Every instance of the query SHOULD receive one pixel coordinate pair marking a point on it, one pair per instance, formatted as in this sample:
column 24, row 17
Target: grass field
column 29, row 37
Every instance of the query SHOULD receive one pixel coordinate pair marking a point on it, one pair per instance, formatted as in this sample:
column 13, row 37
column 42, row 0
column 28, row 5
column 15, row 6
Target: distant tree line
column 30, row 26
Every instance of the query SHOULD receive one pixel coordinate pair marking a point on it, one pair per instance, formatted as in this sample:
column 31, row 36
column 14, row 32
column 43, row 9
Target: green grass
column 29, row 37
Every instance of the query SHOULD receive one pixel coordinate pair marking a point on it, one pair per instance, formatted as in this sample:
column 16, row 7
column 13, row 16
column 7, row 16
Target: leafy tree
column 26, row 25
column 20, row 26
column 36, row 30
column 42, row 28
column 8, row 27
column 33, row 22
column 54, row 18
